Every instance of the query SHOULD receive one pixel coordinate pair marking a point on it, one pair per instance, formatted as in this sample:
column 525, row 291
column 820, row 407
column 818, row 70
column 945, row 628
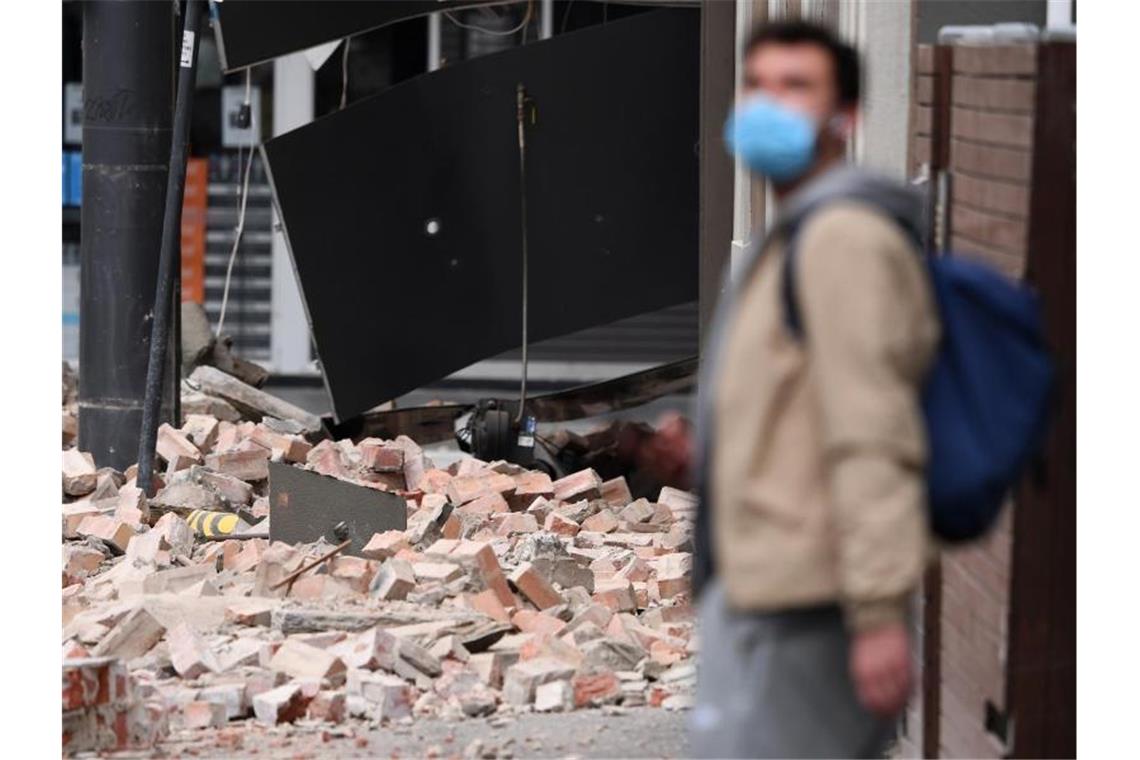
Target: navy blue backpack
column 987, row 396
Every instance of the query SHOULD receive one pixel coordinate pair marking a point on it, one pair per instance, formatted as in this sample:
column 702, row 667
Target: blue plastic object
column 75, row 178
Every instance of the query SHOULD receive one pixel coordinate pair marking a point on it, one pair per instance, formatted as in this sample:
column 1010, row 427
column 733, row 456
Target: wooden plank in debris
column 249, row 399
column 290, row 620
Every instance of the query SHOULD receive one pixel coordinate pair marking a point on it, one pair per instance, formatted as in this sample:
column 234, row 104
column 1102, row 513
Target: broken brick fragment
column 534, row 587
column 584, row 484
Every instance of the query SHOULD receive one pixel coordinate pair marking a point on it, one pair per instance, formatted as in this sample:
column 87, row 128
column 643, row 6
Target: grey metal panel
column 304, row 506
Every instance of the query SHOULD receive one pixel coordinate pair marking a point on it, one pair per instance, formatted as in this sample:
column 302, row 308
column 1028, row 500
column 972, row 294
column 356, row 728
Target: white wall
column 882, row 31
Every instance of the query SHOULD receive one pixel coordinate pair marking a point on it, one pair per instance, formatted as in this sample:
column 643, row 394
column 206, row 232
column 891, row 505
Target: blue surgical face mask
column 771, row 139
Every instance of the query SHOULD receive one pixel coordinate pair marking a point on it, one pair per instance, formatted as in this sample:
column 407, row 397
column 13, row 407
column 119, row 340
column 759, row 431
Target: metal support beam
column 168, row 254
column 289, row 339
column 434, row 58
column 546, row 20
column 718, row 71
column 128, row 63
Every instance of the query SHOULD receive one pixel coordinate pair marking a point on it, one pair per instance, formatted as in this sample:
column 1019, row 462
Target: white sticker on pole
column 187, row 48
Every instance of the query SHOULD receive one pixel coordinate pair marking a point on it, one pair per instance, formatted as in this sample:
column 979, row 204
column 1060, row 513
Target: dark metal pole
column 718, row 67
column 128, row 83
column 171, row 236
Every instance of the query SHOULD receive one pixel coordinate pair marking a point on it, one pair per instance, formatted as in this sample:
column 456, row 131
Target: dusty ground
column 641, row 732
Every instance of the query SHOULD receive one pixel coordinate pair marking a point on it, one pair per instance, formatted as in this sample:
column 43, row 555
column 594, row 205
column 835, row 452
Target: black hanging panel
column 612, row 198
column 254, row 31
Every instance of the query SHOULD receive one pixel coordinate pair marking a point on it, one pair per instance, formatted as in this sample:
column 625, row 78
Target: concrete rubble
column 509, row 592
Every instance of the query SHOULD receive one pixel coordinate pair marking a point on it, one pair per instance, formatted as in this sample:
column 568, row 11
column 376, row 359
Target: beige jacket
column 817, row 483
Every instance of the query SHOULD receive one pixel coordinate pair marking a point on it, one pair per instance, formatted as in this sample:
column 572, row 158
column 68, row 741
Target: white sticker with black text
column 187, row 48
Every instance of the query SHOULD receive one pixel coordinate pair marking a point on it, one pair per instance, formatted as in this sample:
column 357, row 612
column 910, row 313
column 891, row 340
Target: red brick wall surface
column 990, row 135
column 991, row 142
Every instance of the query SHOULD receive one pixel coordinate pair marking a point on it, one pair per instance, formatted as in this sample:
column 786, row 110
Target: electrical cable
column 344, row 73
column 241, row 212
column 522, row 24
column 520, row 108
column 566, row 16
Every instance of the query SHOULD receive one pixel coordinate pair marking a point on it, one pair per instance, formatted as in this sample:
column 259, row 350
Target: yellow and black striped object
column 211, row 524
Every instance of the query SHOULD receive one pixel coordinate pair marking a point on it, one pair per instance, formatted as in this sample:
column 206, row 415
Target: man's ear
column 842, row 124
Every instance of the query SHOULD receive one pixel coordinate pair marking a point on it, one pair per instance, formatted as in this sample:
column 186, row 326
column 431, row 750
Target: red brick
column 999, row 231
column 133, row 636
column 304, row 661
column 355, row 572
column 924, row 89
column 329, row 706
column 616, row 594
column 616, row 492
column 203, row 715
column 461, row 490
column 529, row 485
column 529, row 621
column 189, row 654
column 373, row 649
column 534, row 587
column 991, row 60
column 251, row 611
column 394, row 579
column 381, row 456
column 639, row 511
column 94, row 681
column 595, row 689
column 602, row 521
column 386, row 544
column 201, row 430
column 245, row 465
column 1007, row 94
column 284, row 704
column 115, row 532
column 434, row 481
column 79, row 474
column 562, row 526
column 584, row 484
column 1008, row 129
column 176, row 449
column 513, row 522
column 492, row 503
column 487, row 602
column 481, row 556
column 281, row 446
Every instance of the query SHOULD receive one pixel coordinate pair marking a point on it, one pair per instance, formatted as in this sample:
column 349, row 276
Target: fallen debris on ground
column 507, row 592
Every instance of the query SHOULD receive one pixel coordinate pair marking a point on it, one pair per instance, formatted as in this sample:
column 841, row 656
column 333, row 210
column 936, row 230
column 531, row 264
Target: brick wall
column 988, row 127
column 991, row 141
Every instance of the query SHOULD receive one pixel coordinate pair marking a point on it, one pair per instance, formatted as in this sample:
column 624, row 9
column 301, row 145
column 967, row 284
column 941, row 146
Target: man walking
column 811, row 449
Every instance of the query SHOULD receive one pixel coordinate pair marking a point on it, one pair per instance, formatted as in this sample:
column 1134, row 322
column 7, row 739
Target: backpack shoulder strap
column 791, row 307
column 792, row 317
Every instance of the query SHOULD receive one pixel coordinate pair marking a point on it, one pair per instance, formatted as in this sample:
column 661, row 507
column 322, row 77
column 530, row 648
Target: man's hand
column 668, row 453
column 881, row 668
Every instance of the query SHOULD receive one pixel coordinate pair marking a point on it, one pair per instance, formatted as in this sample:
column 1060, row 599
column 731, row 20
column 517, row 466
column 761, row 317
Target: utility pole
column 128, row 89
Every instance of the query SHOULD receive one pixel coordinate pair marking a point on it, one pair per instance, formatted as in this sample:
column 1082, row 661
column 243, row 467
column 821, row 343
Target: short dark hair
column 844, row 57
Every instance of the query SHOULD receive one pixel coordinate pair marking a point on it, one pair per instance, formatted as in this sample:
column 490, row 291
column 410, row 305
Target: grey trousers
column 777, row 685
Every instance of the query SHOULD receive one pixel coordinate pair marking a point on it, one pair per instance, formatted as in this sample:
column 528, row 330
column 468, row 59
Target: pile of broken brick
column 508, row 592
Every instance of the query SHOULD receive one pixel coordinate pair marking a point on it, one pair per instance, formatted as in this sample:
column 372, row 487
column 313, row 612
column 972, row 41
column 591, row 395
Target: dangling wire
column 241, row 209
column 566, row 16
column 492, row 32
column 344, row 73
column 520, row 109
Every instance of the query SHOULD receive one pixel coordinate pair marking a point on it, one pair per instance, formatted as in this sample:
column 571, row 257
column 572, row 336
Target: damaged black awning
column 402, row 215
column 254, row 31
